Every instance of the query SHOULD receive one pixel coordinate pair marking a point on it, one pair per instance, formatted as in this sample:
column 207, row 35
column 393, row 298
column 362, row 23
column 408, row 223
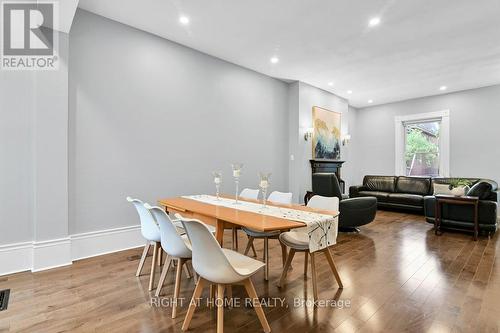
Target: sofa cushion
column 379, row 183
column 413, row 185
column 482, row 190
column 441, row 189
column 406, row 199
column 381, row 196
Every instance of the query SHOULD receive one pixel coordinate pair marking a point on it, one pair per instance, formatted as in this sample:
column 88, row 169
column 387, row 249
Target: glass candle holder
column 264, row 185
column 236, row 175
column 217, row 181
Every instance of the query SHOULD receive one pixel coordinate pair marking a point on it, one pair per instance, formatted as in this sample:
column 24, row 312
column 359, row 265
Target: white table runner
column 321, row 228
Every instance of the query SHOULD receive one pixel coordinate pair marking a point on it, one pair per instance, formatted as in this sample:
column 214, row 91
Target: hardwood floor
column 397, row 275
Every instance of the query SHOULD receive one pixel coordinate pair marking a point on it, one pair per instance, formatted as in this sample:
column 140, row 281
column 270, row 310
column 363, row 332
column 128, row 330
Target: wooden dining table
column 227, row 217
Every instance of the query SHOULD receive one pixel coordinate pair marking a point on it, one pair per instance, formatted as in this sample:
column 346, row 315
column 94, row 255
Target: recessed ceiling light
column 274, row 60
column 184, row 20
column 374, row 21
column 349, row 92
column 330, row 84
column 443, row 88
column 370, row 101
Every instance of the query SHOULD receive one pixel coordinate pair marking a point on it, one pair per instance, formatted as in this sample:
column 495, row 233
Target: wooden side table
column 453, row 200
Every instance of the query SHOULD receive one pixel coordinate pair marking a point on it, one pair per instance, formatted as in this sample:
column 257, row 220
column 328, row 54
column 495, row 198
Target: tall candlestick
column 264, row 185
column 236, row 174
column 217, row 181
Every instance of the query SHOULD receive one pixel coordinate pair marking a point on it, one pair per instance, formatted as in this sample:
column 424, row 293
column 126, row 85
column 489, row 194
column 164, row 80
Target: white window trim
column 444, row 140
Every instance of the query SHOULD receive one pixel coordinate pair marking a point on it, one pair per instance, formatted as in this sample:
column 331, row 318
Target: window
column 422, row 144
column 422, row 148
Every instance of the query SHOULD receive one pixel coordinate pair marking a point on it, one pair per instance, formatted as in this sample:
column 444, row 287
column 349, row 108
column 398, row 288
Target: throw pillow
column 442, row 189
column 481, row 190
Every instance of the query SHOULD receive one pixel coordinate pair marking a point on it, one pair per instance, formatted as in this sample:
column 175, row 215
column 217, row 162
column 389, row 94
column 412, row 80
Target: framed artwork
column 326, row 135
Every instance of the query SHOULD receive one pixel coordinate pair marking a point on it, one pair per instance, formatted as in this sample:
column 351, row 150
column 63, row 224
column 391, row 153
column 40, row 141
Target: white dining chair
column 151, row 232
column 298, row 241
column 220, row 267
column 177, row 248
column 279, row 198
column 251, row 194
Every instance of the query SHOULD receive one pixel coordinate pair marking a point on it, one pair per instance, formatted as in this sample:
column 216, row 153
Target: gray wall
column 474, row 133
column 150, row 118
column 17, row 90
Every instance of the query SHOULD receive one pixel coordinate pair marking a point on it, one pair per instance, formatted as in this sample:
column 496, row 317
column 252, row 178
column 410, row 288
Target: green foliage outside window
column 417, row 143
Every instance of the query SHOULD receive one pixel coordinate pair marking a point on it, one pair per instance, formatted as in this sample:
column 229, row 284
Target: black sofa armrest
column 494, row 196
column 357, row 211
column 355, row 189
column 429, row 205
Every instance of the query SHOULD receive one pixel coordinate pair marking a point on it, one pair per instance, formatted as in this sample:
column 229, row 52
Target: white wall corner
column 51, row 254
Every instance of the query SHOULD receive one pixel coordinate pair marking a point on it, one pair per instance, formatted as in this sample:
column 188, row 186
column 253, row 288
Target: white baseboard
column 38, row 256
column 16, row 257
column 51, row 254
column 96, row 243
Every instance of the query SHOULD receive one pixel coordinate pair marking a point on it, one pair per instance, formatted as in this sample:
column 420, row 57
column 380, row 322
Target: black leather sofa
column 392, row 191
column 416, row 194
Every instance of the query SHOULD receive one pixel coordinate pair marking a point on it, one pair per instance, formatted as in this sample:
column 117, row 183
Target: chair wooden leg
column 187, row 270
column 211, row 296
column 195, row 275
column 153, row 266
column 143, row 258
column 163, row 275
column 283, row 254
column 329, row 258
column 254, row 252
column 305, row 262
column 178, row 275
column 160, row 256
column 266, row 258
column 313, row 273
column 192, row 305
column 249, row 245
column 220, row 308
column 229, row 293
column 235, row 239
column 256, row 304
column 289, row 259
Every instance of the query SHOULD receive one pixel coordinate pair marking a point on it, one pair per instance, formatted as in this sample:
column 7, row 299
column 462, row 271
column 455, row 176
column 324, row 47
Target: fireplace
column 328, row 166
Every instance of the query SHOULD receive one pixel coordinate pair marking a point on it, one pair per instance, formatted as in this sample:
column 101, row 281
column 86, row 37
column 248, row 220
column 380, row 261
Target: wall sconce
column 345, row 139
column 308, row 134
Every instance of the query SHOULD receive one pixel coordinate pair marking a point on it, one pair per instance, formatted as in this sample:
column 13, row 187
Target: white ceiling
column 419, row 46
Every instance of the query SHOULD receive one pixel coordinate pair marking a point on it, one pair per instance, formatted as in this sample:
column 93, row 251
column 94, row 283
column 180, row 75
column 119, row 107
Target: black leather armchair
column 354, row 212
